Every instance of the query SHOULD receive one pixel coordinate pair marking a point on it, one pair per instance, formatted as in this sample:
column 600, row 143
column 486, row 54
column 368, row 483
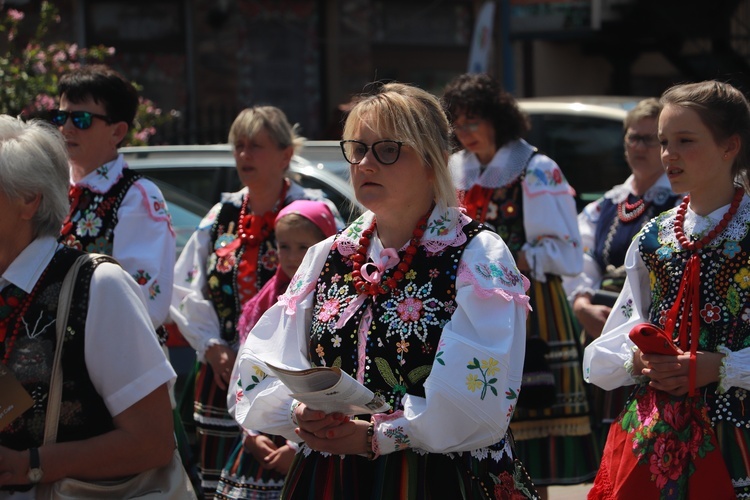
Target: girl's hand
column 259, row 446
column 671, row 374
column 591, row 316
column 317, row 422
column 280, row 459
column 13, row 466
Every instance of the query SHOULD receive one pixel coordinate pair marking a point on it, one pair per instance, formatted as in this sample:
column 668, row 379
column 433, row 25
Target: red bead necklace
column 697, row 245
column 24, row 306
column 628, row 212
column 360, row 257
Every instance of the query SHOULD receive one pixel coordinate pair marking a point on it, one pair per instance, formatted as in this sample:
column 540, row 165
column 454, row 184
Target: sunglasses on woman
column 81, row 119
column 386, row 152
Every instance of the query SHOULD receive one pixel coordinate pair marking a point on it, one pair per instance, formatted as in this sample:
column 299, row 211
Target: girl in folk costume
column 416, row 301
column 685, row 430
column 523, row 196
column 257, row 466
column 226, row 261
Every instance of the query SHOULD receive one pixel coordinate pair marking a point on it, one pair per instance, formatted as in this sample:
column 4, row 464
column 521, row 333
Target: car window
column 588, row 149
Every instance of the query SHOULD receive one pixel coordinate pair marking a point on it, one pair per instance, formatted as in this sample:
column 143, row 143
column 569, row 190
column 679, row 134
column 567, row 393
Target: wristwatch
column 35, row 470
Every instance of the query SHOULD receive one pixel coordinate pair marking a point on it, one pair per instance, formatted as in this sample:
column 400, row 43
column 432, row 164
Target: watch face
column 35, row 475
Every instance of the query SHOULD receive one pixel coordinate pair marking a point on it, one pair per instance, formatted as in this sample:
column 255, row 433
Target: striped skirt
column 215, row 428
column 244, row 478
column 734, row 442
column 556, row 444
column 406, row 475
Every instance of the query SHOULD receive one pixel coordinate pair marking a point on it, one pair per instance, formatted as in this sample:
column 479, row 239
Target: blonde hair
column 250, row 121
column 414, row 116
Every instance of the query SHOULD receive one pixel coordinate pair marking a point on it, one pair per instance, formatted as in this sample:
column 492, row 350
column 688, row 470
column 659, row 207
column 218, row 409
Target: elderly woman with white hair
column 115, row 419
column 416, row 301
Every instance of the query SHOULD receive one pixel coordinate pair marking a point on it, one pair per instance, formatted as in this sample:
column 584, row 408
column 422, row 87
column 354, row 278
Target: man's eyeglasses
column 386, row 152
column 466, row 127
column 81, row 119
column 649, row 141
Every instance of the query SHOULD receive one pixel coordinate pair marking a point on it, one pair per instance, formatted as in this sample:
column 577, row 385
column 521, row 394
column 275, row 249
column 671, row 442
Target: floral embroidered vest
column 406, row 324
column 90, row 225
column 83, row 412
column 724, row 298
column 222, row 271
column 612, row 237
column 505, row 214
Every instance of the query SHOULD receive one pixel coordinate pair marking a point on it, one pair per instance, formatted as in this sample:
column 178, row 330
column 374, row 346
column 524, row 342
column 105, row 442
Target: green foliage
column 30, row 70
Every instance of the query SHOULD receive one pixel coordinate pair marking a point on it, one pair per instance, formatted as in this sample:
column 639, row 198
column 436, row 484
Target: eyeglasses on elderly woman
column 386, row 151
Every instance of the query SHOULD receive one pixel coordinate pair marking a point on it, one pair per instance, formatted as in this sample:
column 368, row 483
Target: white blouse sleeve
column 476, row 375
column 606, row 359
column 553, row 242
column 145, row 245
column 123, row 356
column 191, row 311
column 590, row 278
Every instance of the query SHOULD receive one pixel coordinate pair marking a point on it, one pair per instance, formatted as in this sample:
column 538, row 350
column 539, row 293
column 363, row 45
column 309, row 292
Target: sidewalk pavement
column 576, row 492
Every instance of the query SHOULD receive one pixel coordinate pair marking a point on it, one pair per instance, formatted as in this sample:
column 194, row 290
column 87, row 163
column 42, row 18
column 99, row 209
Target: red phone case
column 651, row 339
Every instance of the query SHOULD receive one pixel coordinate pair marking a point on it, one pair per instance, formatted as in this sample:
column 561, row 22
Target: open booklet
column 330, row 390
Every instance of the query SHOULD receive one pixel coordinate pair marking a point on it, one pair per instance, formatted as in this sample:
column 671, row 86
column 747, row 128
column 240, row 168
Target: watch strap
column 35, row 471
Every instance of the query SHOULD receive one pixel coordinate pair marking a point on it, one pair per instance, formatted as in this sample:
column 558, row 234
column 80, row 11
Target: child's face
column 292, row 242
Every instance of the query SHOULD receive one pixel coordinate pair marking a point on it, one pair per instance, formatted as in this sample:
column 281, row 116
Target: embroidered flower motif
column 664, row 253
column 711, row 313
column 154, row 290
column 141, row 277
column 627, row 308
column 409, row 309
column 433, row 273
column 557, row 176
column 438, row 357
column 402, row 346
column 89, row 225
column 335, row 278
column 509, row 209
column 190, row 277
column 742, row 278
column 213, row 282
column 400, row 439
column 485, row 367
column 270, row 260
column 328, row 310
column 320, row 352
column 336, row 341
column 255, row 378
column 100, row 245
column 667, row 460
column 411, row 274
column 731, row 248
column 501, row 272
column 226, row 264
column 71, row 242
column 103, row 171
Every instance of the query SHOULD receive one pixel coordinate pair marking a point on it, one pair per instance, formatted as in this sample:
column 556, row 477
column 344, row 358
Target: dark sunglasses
column 81, row 119
column 386, row 152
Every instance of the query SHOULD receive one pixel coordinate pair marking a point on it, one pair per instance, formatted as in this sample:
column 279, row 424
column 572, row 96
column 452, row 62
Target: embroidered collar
column 699, row 225
column 444, row 228
column 507, row 164
column 103, row 178
column 658, row 193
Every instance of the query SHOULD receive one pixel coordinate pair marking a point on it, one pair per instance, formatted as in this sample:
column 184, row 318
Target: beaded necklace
column 24, row 306
column 360, row 257
column 697, row 245
column 628, row 212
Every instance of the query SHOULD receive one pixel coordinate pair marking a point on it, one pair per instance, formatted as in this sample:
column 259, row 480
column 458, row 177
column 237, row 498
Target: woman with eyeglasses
column 607, row 227
column 226, row 262
column 509, row 186
column 417, row 302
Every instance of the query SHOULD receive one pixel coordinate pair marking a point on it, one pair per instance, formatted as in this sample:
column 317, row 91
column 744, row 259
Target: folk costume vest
column 407, row 322
column 222, row 276
column 90, row 224
column 30, row 355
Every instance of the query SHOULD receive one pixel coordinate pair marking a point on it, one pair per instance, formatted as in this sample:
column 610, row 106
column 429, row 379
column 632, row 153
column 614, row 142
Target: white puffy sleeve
column 145, row 245
column 553, row 242
column 589, row 279
column 606, row 359
column 190, row 309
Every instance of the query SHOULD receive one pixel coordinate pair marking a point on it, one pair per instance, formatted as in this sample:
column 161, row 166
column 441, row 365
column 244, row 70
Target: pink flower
column 409, row 310
column 15, row 15
column 668, row 459
column 328, row 310
column 675, row 415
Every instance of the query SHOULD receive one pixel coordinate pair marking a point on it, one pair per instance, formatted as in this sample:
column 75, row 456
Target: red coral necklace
column 723, row 223
column 628, row 212
column 360, row 257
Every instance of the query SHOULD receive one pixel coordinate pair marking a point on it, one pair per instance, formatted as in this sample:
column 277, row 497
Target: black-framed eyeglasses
column 649, row 141
column 386, row 152
column 81, row 119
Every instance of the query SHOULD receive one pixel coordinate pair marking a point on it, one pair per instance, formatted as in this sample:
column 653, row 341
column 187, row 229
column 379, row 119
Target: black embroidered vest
column 90, row 225
column 505, row 214
column 83, row 413
column 222, row 271
column 724, row 303
column 406, row 324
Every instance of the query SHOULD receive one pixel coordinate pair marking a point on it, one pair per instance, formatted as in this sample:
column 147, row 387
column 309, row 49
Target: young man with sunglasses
column 114, row 210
